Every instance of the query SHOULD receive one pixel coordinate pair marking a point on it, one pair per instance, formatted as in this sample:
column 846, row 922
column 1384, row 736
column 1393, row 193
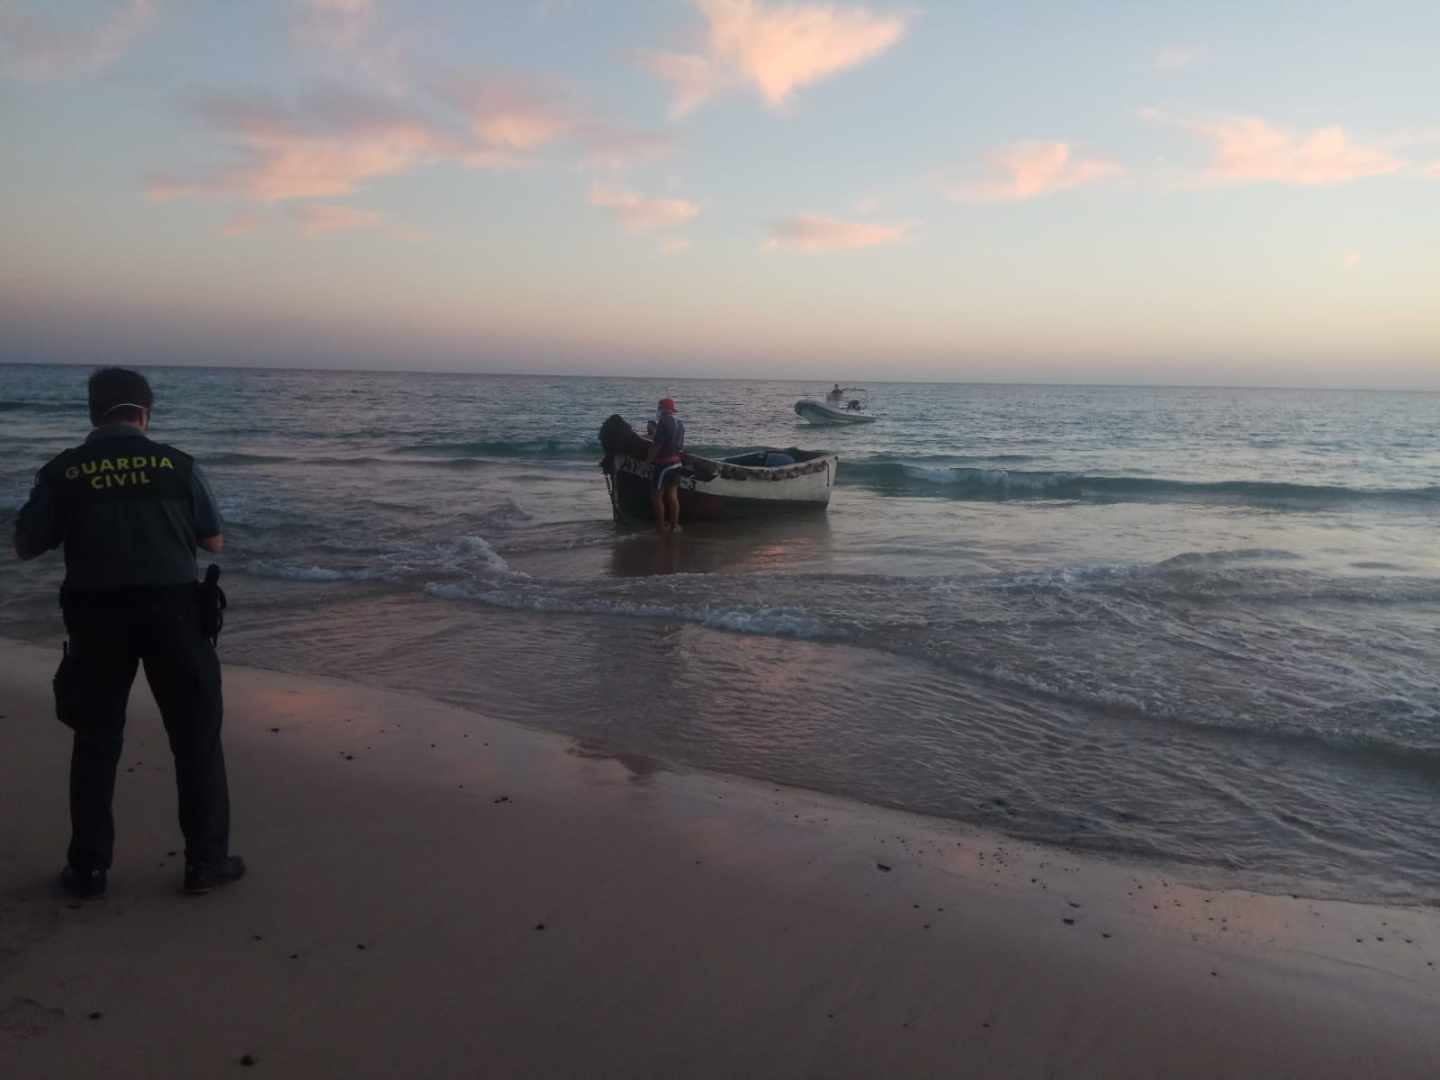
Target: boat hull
column 818, row 412
column 732, row 492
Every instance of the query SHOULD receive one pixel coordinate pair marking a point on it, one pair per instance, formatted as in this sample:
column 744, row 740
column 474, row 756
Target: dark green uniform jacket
column 128, row 510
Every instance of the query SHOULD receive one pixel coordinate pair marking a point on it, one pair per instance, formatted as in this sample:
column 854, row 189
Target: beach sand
column 433, row 893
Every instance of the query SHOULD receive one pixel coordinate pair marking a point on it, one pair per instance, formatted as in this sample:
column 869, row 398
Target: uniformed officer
column 130, row 513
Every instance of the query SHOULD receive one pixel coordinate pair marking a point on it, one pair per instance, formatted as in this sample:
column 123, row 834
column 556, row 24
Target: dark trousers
column 111, row 634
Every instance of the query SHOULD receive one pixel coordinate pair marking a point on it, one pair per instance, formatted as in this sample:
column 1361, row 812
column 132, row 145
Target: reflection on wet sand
column 641, row 767
column 786, row 544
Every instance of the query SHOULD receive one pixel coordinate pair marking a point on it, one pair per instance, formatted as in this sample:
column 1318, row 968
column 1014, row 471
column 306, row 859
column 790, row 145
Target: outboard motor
column 618, row 438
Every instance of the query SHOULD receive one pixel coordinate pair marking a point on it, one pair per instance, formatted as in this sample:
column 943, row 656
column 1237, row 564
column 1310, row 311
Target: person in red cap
column 669, row 441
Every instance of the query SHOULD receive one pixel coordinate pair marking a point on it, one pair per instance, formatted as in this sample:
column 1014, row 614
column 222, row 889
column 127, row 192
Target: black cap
column 116, row 394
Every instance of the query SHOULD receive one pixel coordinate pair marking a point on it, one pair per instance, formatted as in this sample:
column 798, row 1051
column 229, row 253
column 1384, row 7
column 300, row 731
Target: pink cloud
column 327, row 217
column 1407, row 137
column 1247, row 149
column 519, row 129
column 511, row 118
column 1434, row 171
column 326, row 148
column 331, row 142
column 674, row 245
column 39, row 48
column 693, row 79
column 640, row 214
column 775, row 48
column 812, row 234
column 1351, row 260
column 1028, row 170
column 510, row 115
column 607, row 146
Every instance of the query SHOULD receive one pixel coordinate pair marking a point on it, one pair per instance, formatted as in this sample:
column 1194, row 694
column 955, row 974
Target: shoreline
column 434, row 892
column 1207, row 876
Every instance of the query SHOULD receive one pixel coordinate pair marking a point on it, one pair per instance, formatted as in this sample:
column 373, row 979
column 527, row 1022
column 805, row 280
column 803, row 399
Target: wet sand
column 434, row 893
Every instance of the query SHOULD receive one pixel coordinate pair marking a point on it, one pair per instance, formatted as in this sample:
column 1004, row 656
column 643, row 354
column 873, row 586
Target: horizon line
column 732, row 378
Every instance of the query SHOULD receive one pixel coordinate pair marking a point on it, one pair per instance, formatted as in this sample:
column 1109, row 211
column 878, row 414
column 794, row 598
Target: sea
column 1197, row 628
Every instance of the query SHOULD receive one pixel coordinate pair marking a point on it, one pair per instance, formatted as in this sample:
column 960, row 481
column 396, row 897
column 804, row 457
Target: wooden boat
column 758, row 483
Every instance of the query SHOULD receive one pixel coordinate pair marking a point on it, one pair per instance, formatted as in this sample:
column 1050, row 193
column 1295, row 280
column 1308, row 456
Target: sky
column 1239, row 193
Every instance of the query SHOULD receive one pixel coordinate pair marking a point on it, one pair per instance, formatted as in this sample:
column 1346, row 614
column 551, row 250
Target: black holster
column 210, row 599
column 65, row 685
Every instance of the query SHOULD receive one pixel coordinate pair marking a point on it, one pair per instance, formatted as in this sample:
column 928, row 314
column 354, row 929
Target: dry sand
column 435, row 894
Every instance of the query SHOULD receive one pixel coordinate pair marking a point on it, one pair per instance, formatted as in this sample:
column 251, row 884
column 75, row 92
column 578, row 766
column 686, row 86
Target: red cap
column 667, row 404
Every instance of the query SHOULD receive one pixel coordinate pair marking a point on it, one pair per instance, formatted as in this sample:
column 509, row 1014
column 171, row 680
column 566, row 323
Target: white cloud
column 774, row 48
column 1351, row 260
column 1178, row 57
column 812, row 234
column 637, row 213
column 38, row 48
column 334, row 23
column 674, row 245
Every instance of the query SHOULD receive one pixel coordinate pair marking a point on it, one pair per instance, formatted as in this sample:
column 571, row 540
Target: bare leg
column 657, row 507
column 672, row 501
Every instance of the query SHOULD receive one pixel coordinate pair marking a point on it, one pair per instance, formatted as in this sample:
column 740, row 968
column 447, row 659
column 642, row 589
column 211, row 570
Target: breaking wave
column 901, row 478
column 290, row 571
column 471, row 557
column 1113, row 632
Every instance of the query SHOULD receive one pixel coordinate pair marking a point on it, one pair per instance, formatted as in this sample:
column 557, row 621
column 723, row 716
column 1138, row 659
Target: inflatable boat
column 850, row 405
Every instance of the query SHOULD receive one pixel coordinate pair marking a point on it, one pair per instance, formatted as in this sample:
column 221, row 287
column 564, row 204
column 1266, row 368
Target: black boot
column 201, row 878
column 83, row 884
